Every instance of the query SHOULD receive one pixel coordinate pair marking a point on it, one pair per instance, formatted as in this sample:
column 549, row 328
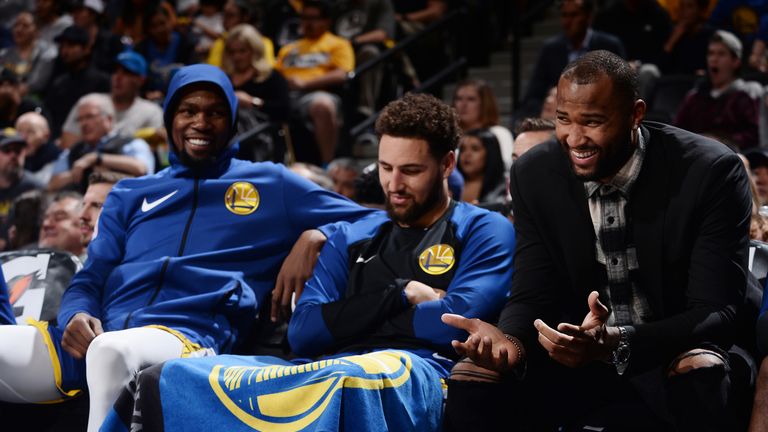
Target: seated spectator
column 532, row 131
column 14, row 179
column 685, row 51
column 259, row 87
column 61, row 224
column 25, row 219
column 314, row 66
column 722, row 107
column 100, row 183
column 758, row 226
column 101, row 148
column 164, row 48
column 370, row 26
column 758, row 165
column 30, row 57
column 41, row 151
column 9, row 9
column 476, row 106
column 132, row 112
column 369, row 315
column 576, row 39
column 89, row 15
column 51, row 19
column 77, row 79
column 237, row 12
column 207, row 26
column 12, row 102
column 481, row 166
column 344, row 173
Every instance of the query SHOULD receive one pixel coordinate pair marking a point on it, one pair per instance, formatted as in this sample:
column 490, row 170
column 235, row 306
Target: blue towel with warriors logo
column 378, row 391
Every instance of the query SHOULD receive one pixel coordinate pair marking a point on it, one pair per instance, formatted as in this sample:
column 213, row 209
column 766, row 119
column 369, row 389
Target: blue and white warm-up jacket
column 355, row 303
column 197, row 250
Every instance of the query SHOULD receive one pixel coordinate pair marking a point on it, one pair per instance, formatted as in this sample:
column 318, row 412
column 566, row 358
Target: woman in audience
column 257, row 85
column 164, row 48
column 480, row 164
column 237, row 12
column 261, row 91
column 476, row 106
column 30, row 58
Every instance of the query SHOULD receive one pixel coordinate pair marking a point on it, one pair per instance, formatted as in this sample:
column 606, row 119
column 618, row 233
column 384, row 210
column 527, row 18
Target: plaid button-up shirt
column 614, row 243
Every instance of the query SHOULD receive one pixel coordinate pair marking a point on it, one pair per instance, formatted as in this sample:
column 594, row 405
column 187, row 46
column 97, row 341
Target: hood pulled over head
column 197, row 74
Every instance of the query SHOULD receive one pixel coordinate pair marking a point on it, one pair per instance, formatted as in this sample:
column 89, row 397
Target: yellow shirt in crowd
column 307, row 59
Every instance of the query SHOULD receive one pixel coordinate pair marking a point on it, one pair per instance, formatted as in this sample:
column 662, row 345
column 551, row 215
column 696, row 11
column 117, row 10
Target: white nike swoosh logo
column 364, row 261
column 146, row 206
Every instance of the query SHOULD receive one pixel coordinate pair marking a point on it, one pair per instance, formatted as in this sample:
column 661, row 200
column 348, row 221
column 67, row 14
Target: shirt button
column 614, row 261
column 610, row 220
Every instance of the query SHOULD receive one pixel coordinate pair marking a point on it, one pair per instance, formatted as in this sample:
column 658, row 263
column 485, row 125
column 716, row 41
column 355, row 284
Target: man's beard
column 609, row 164
column 13, row 175
column 417, row 210
column 197, row 164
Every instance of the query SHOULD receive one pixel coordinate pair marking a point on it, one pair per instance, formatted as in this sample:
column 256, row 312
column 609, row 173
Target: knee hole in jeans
column 698, row 358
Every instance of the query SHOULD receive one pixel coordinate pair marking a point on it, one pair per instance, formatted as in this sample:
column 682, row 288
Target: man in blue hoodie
column 181, row 262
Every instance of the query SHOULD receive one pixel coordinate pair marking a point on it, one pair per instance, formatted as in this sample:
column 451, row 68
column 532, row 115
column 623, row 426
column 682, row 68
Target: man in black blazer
column 630, row 264
column 576, row 39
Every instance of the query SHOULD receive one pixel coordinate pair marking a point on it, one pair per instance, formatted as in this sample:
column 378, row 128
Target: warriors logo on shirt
column 242, row 198
column 437, row 259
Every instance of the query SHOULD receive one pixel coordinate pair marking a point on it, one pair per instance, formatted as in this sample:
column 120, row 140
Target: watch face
column 621, row 355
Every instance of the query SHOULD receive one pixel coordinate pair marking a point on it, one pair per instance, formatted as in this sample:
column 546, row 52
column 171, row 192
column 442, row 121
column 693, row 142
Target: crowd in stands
column 83, row 83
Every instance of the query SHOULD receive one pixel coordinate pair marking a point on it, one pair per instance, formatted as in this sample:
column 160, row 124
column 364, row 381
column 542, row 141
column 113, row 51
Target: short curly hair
column 424, row 117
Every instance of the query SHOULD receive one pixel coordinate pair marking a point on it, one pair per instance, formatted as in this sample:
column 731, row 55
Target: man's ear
column 638, row 112
column 448, row 164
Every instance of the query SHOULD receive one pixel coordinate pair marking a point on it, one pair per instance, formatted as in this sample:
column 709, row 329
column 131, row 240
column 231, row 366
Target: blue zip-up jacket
column 197, row 250
column 345, row 309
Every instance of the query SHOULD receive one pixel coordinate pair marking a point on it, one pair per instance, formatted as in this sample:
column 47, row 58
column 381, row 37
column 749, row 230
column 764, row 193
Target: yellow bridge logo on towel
column 290, row 398
column 242, row 198
column 437, row 259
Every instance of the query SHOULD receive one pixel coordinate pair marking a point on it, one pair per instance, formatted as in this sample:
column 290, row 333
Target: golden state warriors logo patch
column 290, row 398
column 437, row 259
column 242, row 198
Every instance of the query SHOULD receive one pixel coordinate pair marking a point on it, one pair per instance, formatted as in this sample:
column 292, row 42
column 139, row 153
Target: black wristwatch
column 620, row 355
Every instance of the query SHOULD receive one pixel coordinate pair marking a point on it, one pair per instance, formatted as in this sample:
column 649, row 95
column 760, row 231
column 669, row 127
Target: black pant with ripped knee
column 595, row 397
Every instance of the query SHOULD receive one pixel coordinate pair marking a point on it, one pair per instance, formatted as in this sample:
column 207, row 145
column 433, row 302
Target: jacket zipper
column 168, row 259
